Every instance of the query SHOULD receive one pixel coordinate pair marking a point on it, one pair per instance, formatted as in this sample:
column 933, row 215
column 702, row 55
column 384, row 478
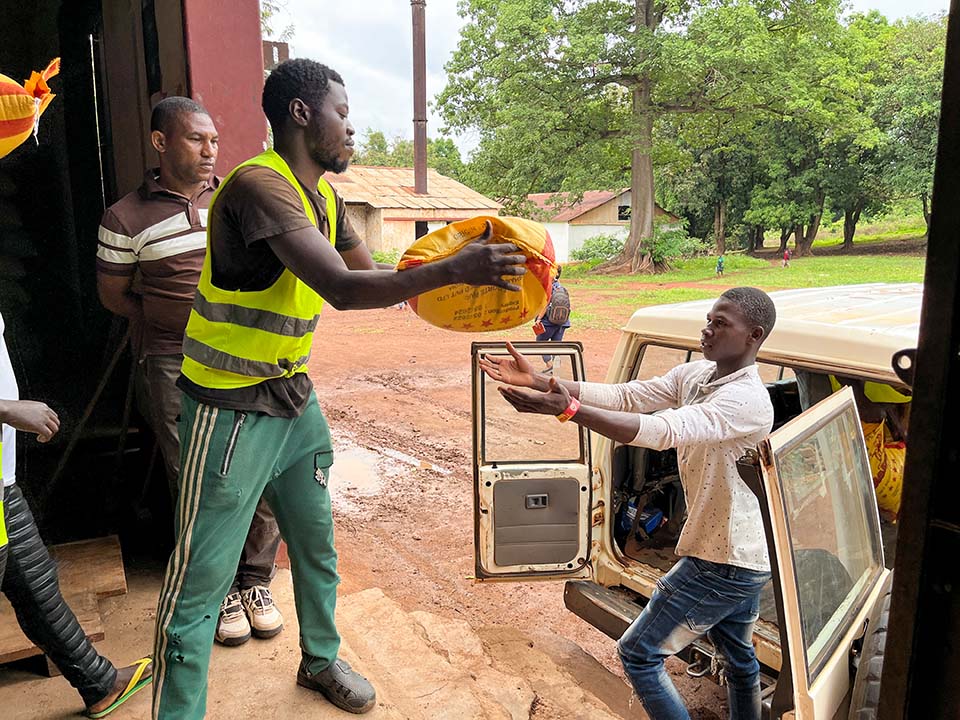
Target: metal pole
column 418, row 8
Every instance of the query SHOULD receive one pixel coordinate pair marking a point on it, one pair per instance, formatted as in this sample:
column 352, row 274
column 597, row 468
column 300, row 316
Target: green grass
column 388, row 257
column 744, row 270
column 620, row 296
column 891, row 228
column 858, row 239
column 825, row 271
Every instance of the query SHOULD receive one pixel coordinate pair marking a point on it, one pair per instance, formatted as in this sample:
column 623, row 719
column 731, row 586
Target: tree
column 566, row 95
column 858, row 162
column 909, row 104
column 825, row 151
column 710, row 179
column 442, row 153
column 269, row 9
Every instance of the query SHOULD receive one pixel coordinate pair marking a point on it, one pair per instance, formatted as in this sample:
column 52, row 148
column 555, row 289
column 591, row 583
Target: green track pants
column 228, row 459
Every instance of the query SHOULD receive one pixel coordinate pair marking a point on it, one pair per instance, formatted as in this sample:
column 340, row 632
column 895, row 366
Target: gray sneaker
column 341, row 685
column 233, row 628
column 265, row 620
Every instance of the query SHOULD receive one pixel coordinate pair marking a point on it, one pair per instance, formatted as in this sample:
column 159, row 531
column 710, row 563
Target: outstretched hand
column 552, row 402
column 32, row 417
column 514, row 370
column 482, row 262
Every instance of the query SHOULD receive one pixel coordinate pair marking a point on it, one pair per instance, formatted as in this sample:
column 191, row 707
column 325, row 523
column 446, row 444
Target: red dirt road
column 391, row 384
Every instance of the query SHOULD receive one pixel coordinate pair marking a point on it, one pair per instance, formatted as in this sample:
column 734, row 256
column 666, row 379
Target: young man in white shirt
column 712, row 411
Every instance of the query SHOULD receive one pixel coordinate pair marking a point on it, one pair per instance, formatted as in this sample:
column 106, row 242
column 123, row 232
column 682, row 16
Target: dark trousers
column 551, row 333
column 159, row 401
column 30, row 584
column 258, row 559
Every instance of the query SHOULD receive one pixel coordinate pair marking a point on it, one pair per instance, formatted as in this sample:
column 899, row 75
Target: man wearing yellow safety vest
column 29, row 578
column 279, row 244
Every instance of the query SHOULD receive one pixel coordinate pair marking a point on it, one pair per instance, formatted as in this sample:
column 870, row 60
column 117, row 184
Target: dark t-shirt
column 258, row 203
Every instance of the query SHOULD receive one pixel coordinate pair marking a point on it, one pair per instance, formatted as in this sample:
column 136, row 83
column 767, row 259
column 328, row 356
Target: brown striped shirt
column 161, row 236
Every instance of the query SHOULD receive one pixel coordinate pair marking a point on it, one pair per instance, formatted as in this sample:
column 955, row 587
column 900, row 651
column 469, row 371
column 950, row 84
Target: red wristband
column 570, row 411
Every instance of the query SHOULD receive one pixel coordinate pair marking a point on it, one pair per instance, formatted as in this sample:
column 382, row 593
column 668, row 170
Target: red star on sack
column 505, row 320
column 523, row 313
column 487, row 323
column 467, row 326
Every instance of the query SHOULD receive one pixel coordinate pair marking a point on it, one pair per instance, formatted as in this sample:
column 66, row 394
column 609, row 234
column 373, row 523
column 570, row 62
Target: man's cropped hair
column 170, row 108
column 298, row 78
column 756, row 306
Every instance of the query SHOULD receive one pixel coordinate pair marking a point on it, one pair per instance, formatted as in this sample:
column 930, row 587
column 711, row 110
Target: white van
column 554, row 502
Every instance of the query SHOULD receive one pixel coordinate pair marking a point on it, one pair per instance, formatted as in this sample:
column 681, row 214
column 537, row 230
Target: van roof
column 852, row 327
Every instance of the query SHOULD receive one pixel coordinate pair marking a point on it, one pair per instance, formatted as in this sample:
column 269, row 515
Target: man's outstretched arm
column 309, row 256
column 632, row 397
column 723, row 419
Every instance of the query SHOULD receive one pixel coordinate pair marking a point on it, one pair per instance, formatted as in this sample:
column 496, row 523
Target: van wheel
column 865, row 699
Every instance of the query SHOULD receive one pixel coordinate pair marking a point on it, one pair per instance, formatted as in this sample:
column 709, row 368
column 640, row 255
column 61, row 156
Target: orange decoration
column 22, row 105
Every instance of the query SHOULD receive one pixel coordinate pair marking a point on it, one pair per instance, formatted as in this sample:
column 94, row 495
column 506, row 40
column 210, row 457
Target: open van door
column 532, row 477
column 815, row 487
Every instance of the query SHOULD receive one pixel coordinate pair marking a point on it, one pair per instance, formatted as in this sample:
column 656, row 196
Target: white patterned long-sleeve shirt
column 711, row 423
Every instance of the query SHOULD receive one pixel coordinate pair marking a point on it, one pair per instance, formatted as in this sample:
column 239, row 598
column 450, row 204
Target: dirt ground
column 396, row 392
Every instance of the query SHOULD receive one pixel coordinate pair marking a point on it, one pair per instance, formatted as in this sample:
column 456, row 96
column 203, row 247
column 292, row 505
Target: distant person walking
column 720, row 266
column 786, row 257
column 555, row 320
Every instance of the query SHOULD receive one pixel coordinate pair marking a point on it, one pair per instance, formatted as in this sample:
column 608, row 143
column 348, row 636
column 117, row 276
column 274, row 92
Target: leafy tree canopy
column 374, row 148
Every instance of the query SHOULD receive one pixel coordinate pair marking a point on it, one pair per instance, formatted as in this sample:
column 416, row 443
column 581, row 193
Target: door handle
column 537, row 502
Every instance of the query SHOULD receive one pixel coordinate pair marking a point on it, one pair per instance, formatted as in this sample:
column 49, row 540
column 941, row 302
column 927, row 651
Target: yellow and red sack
column 887, row 459
column 465, row 308
column 22, row 106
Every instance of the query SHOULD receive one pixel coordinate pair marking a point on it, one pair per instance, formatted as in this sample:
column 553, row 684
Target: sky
column 369, row 43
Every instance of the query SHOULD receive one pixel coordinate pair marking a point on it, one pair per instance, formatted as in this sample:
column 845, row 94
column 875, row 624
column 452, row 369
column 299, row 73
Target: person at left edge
column 28, row 574
column 158, row 233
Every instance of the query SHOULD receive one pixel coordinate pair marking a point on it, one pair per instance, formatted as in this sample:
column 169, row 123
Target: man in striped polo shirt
column 150, row 252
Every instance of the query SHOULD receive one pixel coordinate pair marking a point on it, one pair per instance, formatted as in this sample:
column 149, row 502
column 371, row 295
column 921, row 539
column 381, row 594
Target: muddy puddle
column 361, row 472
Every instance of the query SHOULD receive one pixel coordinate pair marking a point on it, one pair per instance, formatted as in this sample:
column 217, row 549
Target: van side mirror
column 904, row 362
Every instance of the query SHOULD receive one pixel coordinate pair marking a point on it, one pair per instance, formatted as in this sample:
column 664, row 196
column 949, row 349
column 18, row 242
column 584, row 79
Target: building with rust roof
column 389, row 215
column 600, row 212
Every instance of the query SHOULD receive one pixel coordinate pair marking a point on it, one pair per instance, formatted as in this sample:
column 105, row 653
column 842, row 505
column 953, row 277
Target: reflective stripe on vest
column 237, row 338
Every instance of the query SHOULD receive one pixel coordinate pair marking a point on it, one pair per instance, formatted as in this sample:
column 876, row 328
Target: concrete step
column 433, row 667
column 424, row 667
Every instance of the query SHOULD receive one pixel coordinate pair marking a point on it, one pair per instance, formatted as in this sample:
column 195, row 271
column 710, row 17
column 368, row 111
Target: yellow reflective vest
column 238, row 338
column 3, row 522
column 875, row 392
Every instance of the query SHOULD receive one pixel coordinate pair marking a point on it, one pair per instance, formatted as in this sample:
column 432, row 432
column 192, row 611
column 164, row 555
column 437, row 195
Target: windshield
column 834, row 530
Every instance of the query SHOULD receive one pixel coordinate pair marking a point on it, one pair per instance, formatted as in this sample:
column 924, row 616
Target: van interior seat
column 785, row 396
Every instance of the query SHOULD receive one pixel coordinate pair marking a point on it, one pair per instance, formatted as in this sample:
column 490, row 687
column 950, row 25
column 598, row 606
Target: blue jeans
column 551, row 333
column 697, row 598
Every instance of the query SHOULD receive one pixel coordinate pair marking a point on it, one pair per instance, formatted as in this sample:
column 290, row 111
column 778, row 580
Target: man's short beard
column 331, row 164
column 336, row 167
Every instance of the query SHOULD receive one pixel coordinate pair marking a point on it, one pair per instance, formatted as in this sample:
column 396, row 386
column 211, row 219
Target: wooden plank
column 14, row 645
column 94, row 566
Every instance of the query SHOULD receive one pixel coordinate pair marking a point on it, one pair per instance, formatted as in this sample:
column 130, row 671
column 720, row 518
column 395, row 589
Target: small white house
column 601, row 212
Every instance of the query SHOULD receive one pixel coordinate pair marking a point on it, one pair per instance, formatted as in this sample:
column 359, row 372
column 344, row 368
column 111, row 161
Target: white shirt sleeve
column 724, row 418
column 639, row 396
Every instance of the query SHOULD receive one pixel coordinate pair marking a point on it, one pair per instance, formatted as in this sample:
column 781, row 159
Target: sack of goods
column 465, row 308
